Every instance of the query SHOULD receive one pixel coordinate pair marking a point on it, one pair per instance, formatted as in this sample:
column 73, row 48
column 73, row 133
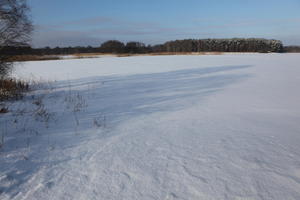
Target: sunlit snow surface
column 155, row 127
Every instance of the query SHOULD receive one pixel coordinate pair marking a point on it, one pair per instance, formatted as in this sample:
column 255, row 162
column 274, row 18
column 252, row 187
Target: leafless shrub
column 100, row 122
column 75, row 103
column 41, row 113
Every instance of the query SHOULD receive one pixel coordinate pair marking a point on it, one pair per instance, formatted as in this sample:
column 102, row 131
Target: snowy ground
column 156, row 127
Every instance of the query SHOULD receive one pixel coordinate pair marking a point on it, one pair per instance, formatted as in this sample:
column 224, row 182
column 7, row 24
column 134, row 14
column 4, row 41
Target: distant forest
column 188, row 45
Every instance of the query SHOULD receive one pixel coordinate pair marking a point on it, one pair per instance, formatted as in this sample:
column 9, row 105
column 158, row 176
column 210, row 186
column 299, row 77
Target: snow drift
column 157, row 127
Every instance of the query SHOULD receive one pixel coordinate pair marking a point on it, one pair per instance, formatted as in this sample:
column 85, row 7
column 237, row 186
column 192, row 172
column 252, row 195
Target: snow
column 155, row 127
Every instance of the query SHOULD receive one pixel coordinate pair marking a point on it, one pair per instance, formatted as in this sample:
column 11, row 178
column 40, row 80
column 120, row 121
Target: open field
column 155, row 127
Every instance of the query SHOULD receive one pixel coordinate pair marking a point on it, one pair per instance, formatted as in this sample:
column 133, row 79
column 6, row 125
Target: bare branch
column 15, row 28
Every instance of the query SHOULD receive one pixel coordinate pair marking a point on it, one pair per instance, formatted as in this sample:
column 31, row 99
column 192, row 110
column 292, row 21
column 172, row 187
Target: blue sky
column 90, row 22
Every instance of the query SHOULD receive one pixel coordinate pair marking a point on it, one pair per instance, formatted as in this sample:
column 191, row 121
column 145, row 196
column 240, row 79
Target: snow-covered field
column 156, row 127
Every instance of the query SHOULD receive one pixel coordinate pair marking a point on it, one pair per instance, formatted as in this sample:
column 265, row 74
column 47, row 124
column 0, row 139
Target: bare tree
column 15, row 28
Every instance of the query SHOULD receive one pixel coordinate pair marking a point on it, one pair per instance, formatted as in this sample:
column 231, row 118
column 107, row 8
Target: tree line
column 188, row 45
column 291, row 49
column 224, row 45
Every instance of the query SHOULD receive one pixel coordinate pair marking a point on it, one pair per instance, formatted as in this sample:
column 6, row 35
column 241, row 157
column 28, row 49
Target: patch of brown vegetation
column 185, row 53
column 92, row 55
column 12, row 89
column 23, row 58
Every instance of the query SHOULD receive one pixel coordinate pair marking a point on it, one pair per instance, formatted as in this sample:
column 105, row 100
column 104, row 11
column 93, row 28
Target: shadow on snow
column 118, row 98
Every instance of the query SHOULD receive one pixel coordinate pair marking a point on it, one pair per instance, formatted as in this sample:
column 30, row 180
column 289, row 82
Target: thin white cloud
column 93, row 31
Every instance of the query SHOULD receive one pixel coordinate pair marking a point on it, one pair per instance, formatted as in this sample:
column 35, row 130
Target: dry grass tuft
column 12, row 89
